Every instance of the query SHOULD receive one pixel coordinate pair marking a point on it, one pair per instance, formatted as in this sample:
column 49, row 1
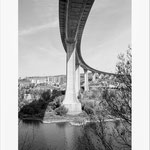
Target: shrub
column 30, row 110
column 57, row 102
column 52, row 105
column 56, row 93
column 61, row 110
column 49, row 109
column 88, row 110
column 46, row 95
column 87, row 94
column 90, row 104
column 93, row 94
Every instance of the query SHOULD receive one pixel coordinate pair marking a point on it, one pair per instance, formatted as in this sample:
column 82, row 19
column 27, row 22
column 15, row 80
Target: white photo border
column 9, row 74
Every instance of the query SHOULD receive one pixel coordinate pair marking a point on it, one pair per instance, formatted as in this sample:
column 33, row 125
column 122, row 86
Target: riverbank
column 77, row 120
column 73, row 120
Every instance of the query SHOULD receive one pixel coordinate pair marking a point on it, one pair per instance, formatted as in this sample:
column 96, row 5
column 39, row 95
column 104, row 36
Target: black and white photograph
column 74, row 85
column 75, row 75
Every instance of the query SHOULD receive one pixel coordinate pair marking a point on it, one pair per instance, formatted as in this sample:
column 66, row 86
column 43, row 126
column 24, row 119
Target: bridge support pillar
column 98, row 75
column 94, row 77
column 86, row 86
column 77, row 85
column 70, row 101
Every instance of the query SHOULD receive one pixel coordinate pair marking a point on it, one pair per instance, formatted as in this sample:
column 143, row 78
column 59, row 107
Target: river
column 34, row 135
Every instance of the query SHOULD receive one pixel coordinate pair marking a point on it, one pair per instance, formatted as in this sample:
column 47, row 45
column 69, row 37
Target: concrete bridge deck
column 73, row 15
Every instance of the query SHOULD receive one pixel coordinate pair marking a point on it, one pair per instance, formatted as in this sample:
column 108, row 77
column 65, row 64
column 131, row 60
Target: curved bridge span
column 73, row 15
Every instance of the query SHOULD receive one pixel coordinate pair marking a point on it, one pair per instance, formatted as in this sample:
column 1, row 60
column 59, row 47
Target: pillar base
column 73, row 108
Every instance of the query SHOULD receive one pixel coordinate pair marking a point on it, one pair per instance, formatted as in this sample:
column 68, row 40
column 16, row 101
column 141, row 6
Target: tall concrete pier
column 72, row 17
column 94, row 77
column 77, row 84
column 86, row 86
column 71, row 102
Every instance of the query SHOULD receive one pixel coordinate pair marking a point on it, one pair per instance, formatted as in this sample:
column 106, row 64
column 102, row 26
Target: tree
column 124, row 69
column 119, row 101
column 118, row 107
column 46, row 95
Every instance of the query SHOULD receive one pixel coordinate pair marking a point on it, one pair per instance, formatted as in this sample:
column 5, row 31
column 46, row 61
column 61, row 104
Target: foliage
column 124, row 70
column 62, row 110
column 88, row 110
column 56, row 102
column 56, row 93
column 36, row 107
column 93, row 94
column 47, row 102
column 108, row 137
column 124, row 66
column 84, row 141
column 117, row 104
column 46, row 95
column 49, row 109
column 119, row 101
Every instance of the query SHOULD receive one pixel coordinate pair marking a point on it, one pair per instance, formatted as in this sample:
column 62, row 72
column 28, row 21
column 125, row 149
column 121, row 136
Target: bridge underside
column 73, row 15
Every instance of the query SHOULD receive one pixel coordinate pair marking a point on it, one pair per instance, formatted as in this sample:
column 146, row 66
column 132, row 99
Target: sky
column 107, row 33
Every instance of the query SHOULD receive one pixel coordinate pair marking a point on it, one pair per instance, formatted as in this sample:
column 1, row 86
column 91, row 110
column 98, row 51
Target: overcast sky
column 107, row 33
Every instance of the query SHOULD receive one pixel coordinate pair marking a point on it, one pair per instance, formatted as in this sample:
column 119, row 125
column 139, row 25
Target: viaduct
column 73, row 15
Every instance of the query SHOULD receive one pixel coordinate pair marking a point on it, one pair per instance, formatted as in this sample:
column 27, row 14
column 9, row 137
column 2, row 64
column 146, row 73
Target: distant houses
column 23, row 83
column 57, row 80
column 45, row 80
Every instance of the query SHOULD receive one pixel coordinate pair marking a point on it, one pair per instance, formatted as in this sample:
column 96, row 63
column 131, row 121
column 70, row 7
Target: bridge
column 73, row 15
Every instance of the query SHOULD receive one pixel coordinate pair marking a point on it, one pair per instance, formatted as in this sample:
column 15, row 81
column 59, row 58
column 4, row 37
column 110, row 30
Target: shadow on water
column 36, row 109
column 84, row 141
column 61, row 124
column 61, row 136
column 32, row 122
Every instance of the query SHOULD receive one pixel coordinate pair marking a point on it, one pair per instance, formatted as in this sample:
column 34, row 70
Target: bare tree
column 118, row 107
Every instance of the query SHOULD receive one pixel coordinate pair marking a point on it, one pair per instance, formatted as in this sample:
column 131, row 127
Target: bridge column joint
column 85, row 70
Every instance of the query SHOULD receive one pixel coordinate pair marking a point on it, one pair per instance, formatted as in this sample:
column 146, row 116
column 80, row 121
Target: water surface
column 34, row 135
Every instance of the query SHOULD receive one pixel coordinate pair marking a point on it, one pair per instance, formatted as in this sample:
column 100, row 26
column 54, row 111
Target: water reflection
column 58, row 136
column 32, row 122
column 61, row 124
column 69, row 136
